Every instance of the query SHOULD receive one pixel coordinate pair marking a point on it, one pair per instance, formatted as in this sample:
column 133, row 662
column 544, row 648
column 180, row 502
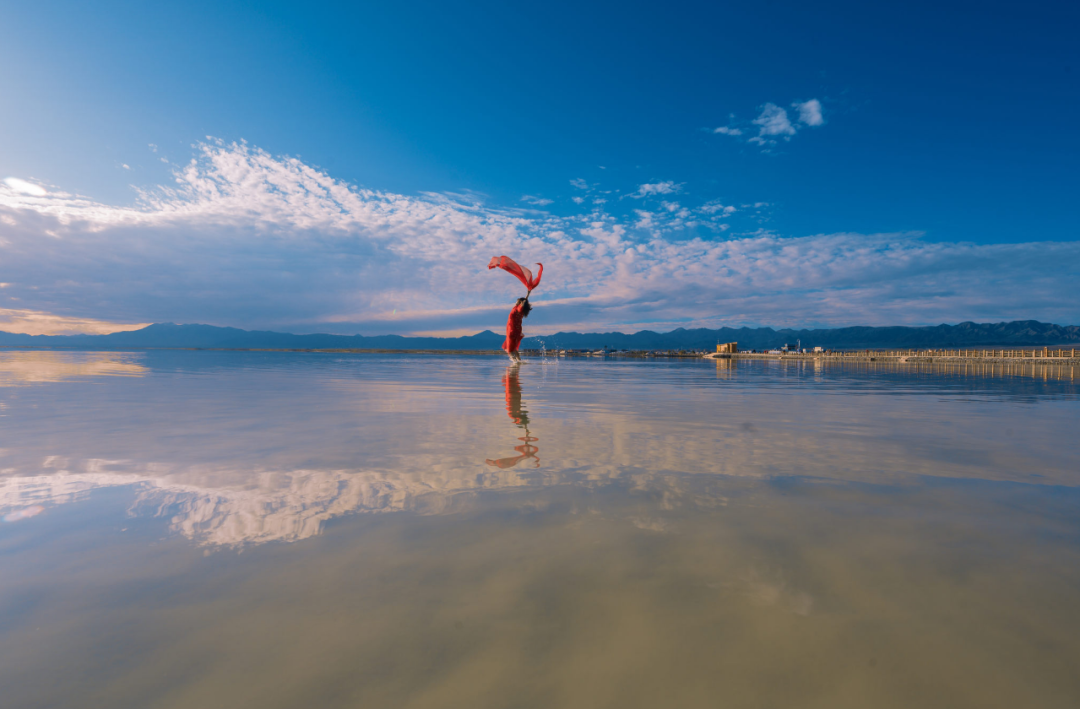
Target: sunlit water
column 213, row 529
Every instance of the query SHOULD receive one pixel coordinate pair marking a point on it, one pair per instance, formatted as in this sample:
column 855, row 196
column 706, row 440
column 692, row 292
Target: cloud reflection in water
column 246, row 456
column 34, row 367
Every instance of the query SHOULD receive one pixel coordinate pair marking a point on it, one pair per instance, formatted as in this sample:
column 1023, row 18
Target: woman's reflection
column 520, row 417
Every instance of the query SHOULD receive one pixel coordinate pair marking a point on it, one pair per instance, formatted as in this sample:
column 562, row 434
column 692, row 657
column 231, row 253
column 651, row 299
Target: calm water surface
column 212, row 529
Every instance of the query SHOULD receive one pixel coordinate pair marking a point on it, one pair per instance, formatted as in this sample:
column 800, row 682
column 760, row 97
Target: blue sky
column 691, row 164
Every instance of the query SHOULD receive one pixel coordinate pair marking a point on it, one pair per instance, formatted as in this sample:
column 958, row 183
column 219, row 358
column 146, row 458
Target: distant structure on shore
column 727, row 348
column 1064, row 356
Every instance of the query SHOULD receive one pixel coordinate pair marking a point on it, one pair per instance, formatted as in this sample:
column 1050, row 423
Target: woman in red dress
column 520, row 311
column 522, row 308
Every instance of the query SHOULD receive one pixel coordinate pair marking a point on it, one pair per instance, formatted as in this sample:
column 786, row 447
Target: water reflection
column 517, row 413
column 842, row 539
column 725, row 368
column 236, row 507
column 244, row 455
column 974, row 373
column 34, row 367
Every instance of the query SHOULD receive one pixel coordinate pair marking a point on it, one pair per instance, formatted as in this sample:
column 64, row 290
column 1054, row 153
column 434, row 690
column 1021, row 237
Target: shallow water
column 297, row 530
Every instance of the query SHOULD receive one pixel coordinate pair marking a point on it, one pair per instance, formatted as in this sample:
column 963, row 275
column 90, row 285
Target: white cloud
column 24, row 187
column 810, row 112
column 773, row 121
column 657, row 188
column 247, row 239
column 717, row 207
column 537, row 201
column 579, row 183
column 578, row 200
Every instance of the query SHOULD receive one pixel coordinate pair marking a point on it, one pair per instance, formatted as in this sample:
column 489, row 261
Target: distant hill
column 968, row 334
column 209, row 336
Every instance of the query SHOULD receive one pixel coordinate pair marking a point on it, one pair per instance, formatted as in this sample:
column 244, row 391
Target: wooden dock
column 1040, row 355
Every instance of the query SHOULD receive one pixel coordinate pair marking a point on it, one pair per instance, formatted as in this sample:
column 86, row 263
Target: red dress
column 513, row 329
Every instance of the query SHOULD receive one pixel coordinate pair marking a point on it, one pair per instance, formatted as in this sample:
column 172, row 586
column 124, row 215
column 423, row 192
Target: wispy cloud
column 536, row 201
column 248, row 239
column 33, row 322
column 717, row 207
column 657, row 188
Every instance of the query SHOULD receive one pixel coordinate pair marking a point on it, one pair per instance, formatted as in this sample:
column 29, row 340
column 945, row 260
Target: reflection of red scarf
column 523, row 274
column 528, row 452
column 520, row 416
column 513, row 329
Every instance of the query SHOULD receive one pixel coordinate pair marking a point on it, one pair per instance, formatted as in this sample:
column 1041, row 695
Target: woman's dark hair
column 527, row 307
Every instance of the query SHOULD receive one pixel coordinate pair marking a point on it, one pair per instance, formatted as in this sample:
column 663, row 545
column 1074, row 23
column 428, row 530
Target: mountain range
column 1025, row 333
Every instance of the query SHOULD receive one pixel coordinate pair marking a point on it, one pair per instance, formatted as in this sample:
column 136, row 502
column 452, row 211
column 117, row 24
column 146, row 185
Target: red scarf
column 523, row 274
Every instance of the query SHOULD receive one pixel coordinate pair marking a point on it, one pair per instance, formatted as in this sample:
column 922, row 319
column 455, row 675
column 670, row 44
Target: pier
column 1069, row 356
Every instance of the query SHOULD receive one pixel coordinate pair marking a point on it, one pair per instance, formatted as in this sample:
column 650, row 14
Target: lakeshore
column 1068, row 356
